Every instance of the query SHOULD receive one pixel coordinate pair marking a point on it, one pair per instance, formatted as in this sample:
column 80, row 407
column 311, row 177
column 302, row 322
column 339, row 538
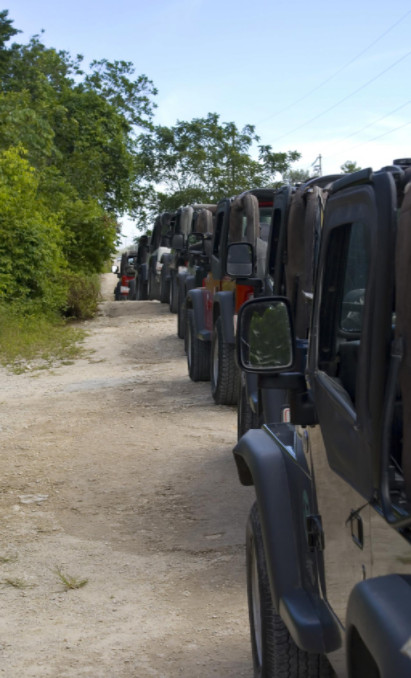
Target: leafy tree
column 296, row 176
column 205, row 160
column 349, row 166
column 31, row 238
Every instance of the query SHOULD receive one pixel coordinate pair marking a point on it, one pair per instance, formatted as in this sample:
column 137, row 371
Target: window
column 342, row 304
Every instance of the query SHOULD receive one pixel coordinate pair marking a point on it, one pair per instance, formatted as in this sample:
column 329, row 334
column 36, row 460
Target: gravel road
column 117, row 476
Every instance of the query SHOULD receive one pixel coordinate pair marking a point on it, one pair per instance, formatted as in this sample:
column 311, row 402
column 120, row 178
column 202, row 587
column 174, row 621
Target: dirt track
column 118, row 470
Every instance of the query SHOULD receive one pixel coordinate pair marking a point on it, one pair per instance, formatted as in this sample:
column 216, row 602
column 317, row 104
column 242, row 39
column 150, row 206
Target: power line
column 371, row 124
column 395, row 129
column 337, row 72
column 348, row 96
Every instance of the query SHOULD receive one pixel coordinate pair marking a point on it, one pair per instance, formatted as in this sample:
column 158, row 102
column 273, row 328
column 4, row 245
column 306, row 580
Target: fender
column 223, row 306
column 195, row 300
column 379, row 626
column 260, row 462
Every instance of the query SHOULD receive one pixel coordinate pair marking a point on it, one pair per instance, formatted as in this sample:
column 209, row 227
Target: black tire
column 150, row 286
column 132, row 293
column 117, row 292
column 198, row 352
column 246, row 417
column 173, row 300
column 224, row 374
column 181, row 317
column 141, row 289
column 164, row 286
column 275, row 655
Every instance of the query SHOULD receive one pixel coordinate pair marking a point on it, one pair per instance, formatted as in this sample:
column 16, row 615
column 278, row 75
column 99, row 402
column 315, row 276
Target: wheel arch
column 260, row 462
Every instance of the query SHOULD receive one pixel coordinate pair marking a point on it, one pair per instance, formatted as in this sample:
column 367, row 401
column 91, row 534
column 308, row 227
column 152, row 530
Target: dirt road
column 117, row 470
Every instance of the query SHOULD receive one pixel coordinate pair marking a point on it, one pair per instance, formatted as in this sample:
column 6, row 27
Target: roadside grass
column 33, row 342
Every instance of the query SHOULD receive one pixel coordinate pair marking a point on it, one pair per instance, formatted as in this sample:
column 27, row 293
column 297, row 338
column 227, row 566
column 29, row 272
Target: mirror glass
column 195, row 241
column 265, row 336
column 240, row 260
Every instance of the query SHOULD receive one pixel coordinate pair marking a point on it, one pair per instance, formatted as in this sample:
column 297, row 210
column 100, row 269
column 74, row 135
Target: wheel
column 164, row 286
column 132, row 293
column 117, row 292
column 141, row 289
column 224, row 374
column 181, row 317
column 275, row 655
column 173, row 294
column 150, row 286
column 198, row 352
column 246, row 417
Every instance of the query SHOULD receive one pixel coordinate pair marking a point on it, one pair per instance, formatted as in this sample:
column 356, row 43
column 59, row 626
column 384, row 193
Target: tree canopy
column 80, row 143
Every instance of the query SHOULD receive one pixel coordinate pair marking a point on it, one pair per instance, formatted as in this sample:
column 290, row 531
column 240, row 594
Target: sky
column 325, row 79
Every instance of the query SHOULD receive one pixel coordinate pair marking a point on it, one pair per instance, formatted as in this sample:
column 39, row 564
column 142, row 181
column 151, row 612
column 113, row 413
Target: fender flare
column 223, row 306
column 260, row 462
column 379, row 619
column 195, row 301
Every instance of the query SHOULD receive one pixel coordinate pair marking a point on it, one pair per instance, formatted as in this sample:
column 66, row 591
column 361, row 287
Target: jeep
column 211, row 309
column 328, row 537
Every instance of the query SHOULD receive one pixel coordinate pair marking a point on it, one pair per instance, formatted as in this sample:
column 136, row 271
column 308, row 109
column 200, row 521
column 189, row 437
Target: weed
column 7, row 559
column 68, row 581
column 17, row 583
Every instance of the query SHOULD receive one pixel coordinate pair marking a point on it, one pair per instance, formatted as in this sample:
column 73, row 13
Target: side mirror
column 240, row 260
column 195, row 241
column 177, row 242
column 265, row 341
column 114, row 269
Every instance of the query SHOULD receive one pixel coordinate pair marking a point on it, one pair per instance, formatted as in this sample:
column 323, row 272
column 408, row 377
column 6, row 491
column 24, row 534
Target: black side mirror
column 177, row 242
column 240, row 260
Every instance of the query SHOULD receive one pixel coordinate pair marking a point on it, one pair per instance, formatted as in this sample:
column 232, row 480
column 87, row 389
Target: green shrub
column 83, row 295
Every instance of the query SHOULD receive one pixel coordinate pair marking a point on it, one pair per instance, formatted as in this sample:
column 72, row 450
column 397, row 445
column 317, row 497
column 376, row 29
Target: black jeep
column 328, row 538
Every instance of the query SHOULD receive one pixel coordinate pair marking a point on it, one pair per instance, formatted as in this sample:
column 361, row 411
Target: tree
column 349, row 167
column 205, row 160
column 79, row 136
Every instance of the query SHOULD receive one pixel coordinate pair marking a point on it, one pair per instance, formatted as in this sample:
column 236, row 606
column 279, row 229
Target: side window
column 342, row 304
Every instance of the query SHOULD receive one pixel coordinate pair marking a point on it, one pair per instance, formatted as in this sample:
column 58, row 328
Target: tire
column 224, row 374
column 164, row 286
column 246, row 417
column 173, row 298
column 141, row 289
column 132, row 293
column 275, row 655
column 117, row 292
column 198, row 352
column 181, row 317
column 150, row 286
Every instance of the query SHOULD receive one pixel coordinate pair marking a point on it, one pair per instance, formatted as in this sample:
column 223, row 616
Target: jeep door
column 346, row 372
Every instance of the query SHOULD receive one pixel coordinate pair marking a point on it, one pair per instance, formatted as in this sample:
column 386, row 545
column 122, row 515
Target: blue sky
column 320, row 78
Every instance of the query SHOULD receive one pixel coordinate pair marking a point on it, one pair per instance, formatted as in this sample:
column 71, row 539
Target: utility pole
column 318, row 170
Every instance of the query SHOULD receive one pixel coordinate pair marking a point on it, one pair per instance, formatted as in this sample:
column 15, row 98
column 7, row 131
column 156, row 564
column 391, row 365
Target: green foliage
column 205, row 160
column 31, row 238
column 83, row 295
column 349, row 167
